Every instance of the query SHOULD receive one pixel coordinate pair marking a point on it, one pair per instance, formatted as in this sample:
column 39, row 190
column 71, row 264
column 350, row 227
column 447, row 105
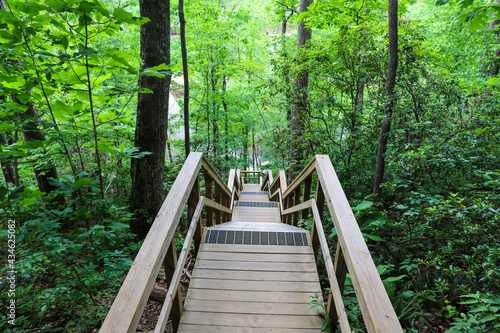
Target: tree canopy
column 72, row 80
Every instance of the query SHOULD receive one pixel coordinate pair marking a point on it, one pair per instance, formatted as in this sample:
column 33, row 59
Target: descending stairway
column 253, row 274
column 255, row 269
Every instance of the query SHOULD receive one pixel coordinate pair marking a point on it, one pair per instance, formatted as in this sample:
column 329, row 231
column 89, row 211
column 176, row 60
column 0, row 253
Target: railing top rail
column 303, row 175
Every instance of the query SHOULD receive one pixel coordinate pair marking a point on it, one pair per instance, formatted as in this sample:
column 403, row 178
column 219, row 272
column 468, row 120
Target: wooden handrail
column 131, row 300
column 352, row 251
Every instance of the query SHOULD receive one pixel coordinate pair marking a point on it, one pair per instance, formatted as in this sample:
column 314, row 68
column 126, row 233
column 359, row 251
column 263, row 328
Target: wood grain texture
column 377, row 310
column 253, row 288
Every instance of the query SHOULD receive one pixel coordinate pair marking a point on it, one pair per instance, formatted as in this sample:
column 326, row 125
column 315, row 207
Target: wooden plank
column 335, row 292
column 282, row 179
column 252, row 320
column 307, row 195
column 377, row 310
column 209, row 193
column 305, row 173
column 129, row 304
column 207, row 166
column 253, row 197
column 193, row 202
column 190, row 328
column 256, row 266
column 251, row 187
column 249, row 307
column 249, row 296
column 299, row 207
column 231, row 179
column 171, row 267
column 261, row 257
column 210, row 203
column 296, row 199
column 217, row 199
column 234, row 248
column 174, row 276
column 255, row 275
column 284, row 286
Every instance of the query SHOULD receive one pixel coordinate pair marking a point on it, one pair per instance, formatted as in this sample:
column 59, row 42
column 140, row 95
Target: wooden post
column 169, row 265
column 217, row 198
column 194, row 197
column 296, row 199
column 340, row 268
column 209, row 193
column 307, row 195
column 320, row 203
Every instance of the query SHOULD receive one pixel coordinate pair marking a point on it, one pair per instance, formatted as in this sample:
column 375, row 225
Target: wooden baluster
column 296, row 199
column 194, row 197
column 209, row 193
column 225, row 202
column 169, row 264
column 320, row 203
column 289, row 204
column 340, row 268
column 217, row 198
column 307, row 195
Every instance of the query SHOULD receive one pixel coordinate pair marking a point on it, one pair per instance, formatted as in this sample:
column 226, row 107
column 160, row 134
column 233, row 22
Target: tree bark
column 389, row 97
column 32, row 132
column 299, row 109
column 185, row 72
column 9, row 172
column 146, row 195
column 495, row 66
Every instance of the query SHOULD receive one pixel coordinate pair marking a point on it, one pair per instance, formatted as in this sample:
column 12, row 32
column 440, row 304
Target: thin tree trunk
column 146, row 195
column 299, row 109
column 495, row 66
column 32, row 132
column 185, row 72
column 389, row 97
column 226, row 118
column 9, row 172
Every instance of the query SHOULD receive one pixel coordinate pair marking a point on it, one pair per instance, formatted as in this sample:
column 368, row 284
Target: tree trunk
column 32, row 132
column 299, row 109
column 226, row 118
column 495, row 66
column 185, row 72
column 389, row 97
column 9, row 172
column 146, row 195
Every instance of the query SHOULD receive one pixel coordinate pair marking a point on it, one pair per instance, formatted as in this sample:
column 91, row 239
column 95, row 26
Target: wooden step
column 252, row 288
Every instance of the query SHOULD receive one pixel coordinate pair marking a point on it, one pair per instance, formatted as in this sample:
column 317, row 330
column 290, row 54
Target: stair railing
column 251, row 175
column 352, row 255
column 159, row 246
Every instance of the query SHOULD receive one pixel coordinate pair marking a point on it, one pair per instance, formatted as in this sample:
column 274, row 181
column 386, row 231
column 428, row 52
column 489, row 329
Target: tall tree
column 389, row 96
column 299, row 109
column 152, row 118
column 182, row 23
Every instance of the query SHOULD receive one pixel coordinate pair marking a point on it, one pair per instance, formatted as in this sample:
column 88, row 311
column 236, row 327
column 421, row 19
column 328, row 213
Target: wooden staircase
column 256, row 269
column 252, row 288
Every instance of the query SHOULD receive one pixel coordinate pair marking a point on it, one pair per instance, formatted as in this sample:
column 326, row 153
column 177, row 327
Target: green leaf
column 364, row 205
column 6, row 127
column 373, row 237
column 123, row 16
column 83, row 182
column 395, row 278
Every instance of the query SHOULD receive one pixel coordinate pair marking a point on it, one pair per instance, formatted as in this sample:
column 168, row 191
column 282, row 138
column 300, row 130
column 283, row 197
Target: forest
column 402, row 95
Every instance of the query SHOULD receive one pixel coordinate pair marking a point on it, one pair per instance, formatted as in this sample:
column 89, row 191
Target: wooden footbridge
column 255, row 268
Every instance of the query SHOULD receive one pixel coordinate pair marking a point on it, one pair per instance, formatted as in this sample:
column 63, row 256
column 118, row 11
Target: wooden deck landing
column 252, row 288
